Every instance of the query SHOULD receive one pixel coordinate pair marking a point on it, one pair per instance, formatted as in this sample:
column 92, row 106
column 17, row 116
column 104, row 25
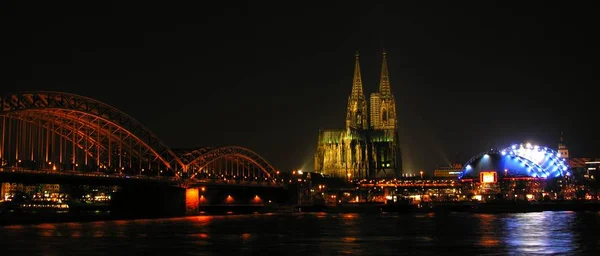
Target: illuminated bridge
column 54, row 134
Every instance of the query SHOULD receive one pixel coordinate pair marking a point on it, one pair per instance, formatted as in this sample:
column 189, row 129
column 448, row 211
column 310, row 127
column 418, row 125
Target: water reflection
column 47, row 230
column 489, row 236
column 321, row 234
column 540, row 233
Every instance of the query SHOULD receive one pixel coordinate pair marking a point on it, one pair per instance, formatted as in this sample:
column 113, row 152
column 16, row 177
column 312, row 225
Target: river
column 564, row 233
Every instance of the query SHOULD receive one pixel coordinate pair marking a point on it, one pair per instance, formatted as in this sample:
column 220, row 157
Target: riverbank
column 30, row 218
column 470, row 207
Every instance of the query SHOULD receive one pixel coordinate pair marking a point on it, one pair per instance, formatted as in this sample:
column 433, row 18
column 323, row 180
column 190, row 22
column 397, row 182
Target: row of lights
column 229, row 198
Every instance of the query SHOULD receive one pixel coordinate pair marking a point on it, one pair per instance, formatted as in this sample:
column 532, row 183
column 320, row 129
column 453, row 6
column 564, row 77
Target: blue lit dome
column 519, row 160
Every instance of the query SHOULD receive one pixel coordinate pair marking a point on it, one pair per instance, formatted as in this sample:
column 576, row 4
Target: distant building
column 448, row 172
column 563, row 150
column 368, row 147
column 592, row 168
column 584, row 168
column 7, row 189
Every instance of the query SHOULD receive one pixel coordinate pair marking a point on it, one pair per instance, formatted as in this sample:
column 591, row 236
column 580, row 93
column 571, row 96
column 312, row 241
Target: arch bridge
column 55, row 132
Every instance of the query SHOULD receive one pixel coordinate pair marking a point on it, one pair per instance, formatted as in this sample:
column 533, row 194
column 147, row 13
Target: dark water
column 561, row 233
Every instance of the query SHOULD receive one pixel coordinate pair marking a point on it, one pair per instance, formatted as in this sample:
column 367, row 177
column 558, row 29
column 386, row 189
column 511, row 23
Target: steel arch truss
column 243, row 163
column 189, row 155
column 98, row 134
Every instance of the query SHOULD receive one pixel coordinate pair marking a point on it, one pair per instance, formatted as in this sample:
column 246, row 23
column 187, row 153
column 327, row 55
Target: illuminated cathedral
column 368, row 147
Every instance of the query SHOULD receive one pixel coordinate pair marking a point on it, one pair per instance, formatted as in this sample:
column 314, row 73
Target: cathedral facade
column 368, row 146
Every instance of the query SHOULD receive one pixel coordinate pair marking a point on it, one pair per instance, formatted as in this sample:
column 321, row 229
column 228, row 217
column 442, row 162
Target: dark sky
column 267, row 77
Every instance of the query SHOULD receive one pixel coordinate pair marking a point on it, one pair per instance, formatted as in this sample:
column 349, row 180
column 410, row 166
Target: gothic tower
column 385, row 150
column 356, row 114
column 383, row 104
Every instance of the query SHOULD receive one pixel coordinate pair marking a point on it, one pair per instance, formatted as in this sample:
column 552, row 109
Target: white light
column 300, row 172
column 558, row 154
column 503, row 152
column 486, row 156
column 529, row 145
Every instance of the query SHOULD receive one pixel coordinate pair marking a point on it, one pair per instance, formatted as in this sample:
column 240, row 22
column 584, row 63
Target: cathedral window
column 384, row 116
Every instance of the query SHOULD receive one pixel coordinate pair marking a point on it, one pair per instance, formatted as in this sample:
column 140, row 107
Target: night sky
column 268, row 77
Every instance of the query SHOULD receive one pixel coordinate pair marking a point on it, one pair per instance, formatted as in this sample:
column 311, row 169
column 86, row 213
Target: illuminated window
column 487, row 177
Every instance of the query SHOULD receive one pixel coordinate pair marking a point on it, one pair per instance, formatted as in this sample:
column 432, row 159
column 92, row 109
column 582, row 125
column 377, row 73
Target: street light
column 422, row 187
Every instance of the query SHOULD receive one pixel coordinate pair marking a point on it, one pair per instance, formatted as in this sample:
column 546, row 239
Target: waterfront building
column 447, row 172
column 585, row 170
column 9, row 189
column 368, row 146
column 524, row 171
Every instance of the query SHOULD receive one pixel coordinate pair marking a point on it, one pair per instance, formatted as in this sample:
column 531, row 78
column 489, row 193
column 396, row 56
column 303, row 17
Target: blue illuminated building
column 519, row 160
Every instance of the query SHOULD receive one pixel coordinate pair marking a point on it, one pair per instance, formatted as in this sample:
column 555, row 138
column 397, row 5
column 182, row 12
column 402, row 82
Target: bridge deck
column 49, row 176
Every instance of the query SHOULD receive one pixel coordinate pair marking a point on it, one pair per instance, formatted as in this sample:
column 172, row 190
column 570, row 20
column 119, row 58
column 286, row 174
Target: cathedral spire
column 384, row 79
column 357, row 89
column 356, row 115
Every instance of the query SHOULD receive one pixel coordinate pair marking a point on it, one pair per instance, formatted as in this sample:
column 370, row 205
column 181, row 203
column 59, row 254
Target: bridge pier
column 166, row 201
column 192, row 201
